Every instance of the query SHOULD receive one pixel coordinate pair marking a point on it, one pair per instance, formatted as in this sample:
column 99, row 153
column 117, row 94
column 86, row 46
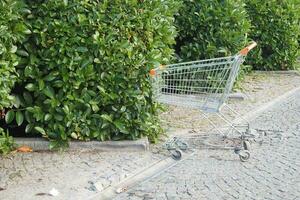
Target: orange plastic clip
column 152, row 72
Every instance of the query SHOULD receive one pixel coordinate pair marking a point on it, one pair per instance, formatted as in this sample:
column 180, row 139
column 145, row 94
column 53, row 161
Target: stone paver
column 273, row 172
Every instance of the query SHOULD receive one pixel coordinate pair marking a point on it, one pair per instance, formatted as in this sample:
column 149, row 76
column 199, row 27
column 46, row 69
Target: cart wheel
column 176, row 154
column 246, row 145
column 244, row 155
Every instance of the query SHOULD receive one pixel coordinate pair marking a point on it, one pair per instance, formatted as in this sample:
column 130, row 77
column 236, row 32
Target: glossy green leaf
column 121, row 126
column 9, row 116
column 19, row 118
column 17, row 101
column 40, row 130
column 47, row 117
column 82, row 49
column 48, row 91
column 106, row 117
column 29, row 128
column 30, row 87
column 22, row 53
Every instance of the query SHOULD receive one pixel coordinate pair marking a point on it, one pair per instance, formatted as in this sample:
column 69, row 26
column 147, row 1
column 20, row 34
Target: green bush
column 208, row 29
column 86, row 76
column 275, row 26
column 12, row 32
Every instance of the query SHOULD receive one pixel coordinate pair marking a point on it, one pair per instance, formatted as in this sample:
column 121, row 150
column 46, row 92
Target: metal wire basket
column 203, row 84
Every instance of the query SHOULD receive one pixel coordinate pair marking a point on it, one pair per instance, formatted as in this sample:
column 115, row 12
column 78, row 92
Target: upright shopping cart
column 204, row 85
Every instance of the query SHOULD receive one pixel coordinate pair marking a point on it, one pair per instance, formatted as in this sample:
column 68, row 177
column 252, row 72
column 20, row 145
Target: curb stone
column 41, row 144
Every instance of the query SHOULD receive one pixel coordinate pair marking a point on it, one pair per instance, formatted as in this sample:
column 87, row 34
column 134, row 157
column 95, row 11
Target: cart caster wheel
column 244, row 155
column 176, row 154
column 246, row 145
column 183, row 146
column 237, row 150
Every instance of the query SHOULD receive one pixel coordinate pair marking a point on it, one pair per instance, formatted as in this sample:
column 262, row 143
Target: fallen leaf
column 24, row 149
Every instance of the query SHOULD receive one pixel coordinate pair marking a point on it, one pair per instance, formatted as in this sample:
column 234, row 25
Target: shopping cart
column 204, row 85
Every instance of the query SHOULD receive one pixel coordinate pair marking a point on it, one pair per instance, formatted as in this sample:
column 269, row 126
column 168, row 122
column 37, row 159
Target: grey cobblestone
column 271, row 173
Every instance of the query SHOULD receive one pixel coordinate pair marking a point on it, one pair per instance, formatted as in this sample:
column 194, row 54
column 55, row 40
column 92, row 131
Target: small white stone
column 98, row 186
column 120, row 190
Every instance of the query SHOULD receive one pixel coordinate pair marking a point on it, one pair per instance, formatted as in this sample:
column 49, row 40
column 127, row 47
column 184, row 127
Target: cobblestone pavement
column 273, row 171
column 75, row 174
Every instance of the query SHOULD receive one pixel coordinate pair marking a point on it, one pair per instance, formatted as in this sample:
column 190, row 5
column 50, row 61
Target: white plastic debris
column 54, row 192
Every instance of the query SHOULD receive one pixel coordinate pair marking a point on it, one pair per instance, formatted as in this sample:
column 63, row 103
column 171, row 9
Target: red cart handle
column 246, row 50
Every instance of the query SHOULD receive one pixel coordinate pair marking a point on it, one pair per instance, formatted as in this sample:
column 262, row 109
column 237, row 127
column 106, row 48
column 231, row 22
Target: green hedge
column 7, row 143
column 82, row 66
column 209, row 29
column 86, row 76
column 12, row 32
column 275, row 26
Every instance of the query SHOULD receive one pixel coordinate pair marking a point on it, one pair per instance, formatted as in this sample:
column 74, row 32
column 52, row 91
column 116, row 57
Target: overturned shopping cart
column 204, row 85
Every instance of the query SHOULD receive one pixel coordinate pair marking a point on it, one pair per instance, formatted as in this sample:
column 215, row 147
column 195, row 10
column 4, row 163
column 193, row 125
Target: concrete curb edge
column 41, row 144
column 288, row 72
